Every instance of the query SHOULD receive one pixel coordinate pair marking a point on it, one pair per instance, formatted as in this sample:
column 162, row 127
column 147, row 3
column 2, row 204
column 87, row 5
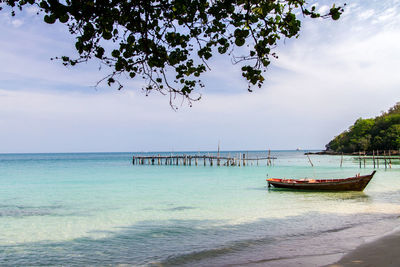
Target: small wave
column 180, row 208
column 198, row 256
column 23, row 211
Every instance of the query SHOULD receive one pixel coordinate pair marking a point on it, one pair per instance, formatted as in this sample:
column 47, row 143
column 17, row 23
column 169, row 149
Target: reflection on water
column 323, row 195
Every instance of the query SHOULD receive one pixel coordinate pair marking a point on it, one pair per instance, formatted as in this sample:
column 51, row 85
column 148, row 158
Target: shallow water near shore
column 99, row 209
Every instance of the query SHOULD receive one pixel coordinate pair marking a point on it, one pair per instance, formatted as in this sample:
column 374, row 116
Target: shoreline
column 383, row 251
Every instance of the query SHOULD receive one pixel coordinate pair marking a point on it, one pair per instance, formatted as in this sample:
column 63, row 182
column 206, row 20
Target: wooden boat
column 356, row 183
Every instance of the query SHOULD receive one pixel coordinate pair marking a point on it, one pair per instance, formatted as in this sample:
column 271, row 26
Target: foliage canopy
column 170, row 42
column 380, row 133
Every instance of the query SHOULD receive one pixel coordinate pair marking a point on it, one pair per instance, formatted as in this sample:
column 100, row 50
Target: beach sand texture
column 383, row 252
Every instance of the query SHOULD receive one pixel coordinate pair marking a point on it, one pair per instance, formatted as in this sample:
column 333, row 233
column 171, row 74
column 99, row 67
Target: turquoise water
column 99, row 209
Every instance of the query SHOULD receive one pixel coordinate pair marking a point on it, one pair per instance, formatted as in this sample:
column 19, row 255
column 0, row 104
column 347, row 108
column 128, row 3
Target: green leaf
column 49, row 19
column 239, row 41
column 64, row 18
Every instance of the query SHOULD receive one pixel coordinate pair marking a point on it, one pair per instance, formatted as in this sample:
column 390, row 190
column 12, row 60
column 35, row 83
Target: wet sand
column 380, row 253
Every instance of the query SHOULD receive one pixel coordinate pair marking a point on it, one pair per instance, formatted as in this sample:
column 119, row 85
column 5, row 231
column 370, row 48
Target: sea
column 98, row 209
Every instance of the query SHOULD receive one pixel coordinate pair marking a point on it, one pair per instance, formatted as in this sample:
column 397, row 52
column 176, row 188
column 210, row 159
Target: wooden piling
column 218, row 159
column 384, row 155
column 364, row 159
column 373, row 157
column 341, row 161
column 269, row 158
column 377, row 158
column 312, row 165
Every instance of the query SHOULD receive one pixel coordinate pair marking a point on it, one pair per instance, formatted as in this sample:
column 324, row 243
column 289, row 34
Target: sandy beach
column 382, row 252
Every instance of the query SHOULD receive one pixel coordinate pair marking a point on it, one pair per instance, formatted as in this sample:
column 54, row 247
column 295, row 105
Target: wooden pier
column 385, row 158
column 205, row 160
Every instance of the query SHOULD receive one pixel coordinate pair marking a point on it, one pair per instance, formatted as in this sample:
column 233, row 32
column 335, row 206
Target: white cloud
column 366, row 14
column 32, row 10
column 17, row 22
column 323, row 9
column 388, row 14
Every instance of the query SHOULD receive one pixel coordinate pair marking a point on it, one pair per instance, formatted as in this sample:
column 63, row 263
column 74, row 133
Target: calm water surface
column 99, row 209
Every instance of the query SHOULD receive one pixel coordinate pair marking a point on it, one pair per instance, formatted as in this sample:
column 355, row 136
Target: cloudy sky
column 334, row 73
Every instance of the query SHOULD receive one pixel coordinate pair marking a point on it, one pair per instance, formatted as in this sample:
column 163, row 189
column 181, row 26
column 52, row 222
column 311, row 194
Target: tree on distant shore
column 169, row 43
column 380, row 133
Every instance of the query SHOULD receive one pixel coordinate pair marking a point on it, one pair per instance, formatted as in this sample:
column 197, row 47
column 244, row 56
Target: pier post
column 373, row 157
column 133, row 160
column 384, row 156
column 244, row 159
column 341, row 161
column 377, row 158
column 204, row 157
column 312, row 165
column 364, row 159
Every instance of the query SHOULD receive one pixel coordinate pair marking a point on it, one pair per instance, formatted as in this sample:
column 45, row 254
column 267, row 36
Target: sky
column 322, row 82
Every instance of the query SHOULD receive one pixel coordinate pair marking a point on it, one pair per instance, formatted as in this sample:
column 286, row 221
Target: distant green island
column 379, row 133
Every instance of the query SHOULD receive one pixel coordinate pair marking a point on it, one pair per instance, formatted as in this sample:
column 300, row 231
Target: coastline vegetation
column 379, row 133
